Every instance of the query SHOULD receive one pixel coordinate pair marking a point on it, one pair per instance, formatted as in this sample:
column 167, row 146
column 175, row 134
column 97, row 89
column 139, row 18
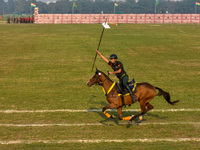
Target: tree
column 97, row 6
column 130, row 6
column 21, row 6
column 185, row 7
column 43, row 8
column 2, row 6
column 146, row 6
column 10, row 6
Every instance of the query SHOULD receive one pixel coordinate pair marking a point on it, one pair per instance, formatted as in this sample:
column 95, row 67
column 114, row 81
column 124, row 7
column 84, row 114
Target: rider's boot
column 131, row 94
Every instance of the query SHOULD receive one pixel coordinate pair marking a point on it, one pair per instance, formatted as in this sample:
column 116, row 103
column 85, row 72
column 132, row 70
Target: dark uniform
column 122, row 76
column 118, row 65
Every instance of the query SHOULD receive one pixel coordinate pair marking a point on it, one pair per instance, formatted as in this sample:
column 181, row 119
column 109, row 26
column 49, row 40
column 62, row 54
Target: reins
column 98, row 83
column 101, row 84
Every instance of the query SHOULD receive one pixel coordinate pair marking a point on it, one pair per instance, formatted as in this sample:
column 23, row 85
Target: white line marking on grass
column 145, row 140
column 99, row 124
column 94, row 110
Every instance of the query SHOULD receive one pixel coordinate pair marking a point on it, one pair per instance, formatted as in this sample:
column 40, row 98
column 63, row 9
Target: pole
column 73, row 9
column 114, row 9
column 195, row 9
column 30, row 10
column 3, row 11
column 155, row 9
column 98, row 46
column 98, row 49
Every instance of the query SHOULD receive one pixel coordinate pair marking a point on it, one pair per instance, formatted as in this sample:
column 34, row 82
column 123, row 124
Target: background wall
column 115, row 18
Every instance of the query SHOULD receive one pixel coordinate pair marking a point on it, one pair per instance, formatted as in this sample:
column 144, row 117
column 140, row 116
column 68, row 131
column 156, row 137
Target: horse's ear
column 97, row 70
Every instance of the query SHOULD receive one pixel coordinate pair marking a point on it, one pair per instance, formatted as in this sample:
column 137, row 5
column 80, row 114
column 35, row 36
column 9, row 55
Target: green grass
column 108, row 146
column 48, row 66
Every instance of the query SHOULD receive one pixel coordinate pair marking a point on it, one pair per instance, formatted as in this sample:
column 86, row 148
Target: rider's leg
column 131, row 93
column 125, row 83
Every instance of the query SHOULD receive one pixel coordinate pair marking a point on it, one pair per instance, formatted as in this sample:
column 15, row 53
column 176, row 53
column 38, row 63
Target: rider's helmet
column 113, row 56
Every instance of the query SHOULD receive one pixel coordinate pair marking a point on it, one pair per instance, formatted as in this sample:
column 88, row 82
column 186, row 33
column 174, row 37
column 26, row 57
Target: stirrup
column 134, row 98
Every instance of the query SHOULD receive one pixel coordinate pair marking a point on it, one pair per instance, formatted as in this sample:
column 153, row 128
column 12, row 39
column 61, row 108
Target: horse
column 145, row 93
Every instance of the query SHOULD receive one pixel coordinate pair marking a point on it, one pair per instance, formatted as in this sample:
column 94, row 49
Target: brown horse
column 145, row 93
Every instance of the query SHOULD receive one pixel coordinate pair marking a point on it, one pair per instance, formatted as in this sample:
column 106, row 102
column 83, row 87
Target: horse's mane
column 106, row 76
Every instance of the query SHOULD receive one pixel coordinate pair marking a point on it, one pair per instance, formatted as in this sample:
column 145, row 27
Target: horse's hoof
column 130, row 122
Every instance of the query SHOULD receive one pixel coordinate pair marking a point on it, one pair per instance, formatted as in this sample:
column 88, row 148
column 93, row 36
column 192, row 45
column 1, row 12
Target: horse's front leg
column 119, row 112
column 110, row 106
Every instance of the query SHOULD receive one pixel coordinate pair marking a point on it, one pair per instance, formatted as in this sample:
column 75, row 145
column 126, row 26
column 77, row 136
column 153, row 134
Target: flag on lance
column 33, row 5
column 105, row 25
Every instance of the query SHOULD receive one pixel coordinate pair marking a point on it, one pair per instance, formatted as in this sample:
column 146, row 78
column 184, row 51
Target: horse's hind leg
column 143, row 111
column 149, row 107
column 110, row 106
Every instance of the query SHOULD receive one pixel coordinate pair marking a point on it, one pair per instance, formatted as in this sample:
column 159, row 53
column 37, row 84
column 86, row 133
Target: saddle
column 123, row 91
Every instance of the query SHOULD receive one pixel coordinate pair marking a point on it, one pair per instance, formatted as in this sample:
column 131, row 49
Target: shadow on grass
column 107, row 121
column 116, row 121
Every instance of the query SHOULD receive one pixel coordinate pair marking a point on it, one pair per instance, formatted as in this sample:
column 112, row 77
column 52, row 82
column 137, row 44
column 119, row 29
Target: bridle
column 101, row 84
column 98, row 83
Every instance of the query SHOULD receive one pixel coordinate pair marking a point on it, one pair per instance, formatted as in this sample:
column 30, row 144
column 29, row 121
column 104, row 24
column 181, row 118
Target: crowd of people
column 20, row 19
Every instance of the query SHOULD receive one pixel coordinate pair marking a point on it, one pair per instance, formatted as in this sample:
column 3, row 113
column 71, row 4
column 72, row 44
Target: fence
column 114, row 18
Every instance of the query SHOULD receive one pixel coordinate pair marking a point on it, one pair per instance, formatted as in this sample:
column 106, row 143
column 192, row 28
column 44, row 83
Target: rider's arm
column 120, row 65
column 104, row 58
column 118, row 71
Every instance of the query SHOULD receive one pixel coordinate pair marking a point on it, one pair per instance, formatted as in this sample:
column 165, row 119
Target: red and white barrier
column 114, row 18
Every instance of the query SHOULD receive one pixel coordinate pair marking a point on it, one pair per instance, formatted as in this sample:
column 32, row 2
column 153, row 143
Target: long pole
column 30, row 10
column 195, row 9
column 114, row 9
column 73, row 9
column 3, row 11
column 155, row 9
column 98, row 46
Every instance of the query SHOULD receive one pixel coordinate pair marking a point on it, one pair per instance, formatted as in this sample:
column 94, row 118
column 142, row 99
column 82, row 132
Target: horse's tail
column 166, row 95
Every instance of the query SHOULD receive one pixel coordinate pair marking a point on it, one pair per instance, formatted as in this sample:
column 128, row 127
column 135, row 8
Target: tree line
column 99, row 6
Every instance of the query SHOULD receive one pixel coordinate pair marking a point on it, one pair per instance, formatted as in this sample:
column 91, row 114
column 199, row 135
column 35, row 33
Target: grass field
column 45, row 68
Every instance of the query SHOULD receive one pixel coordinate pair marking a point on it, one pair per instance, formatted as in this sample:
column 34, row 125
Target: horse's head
column 96, row 79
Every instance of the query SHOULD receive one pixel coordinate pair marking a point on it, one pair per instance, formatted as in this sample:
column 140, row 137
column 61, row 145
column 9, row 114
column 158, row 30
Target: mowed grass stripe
column 100, row 140
column 99, row 124
column 94, row 110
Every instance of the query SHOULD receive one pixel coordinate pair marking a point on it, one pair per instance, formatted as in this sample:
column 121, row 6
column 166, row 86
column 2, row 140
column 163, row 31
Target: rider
column 118, row 68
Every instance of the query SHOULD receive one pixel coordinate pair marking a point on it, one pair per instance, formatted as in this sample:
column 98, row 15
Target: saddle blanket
column 123, row 91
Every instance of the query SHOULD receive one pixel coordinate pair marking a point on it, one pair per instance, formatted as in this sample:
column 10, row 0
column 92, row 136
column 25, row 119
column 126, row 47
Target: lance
column 105, row 26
